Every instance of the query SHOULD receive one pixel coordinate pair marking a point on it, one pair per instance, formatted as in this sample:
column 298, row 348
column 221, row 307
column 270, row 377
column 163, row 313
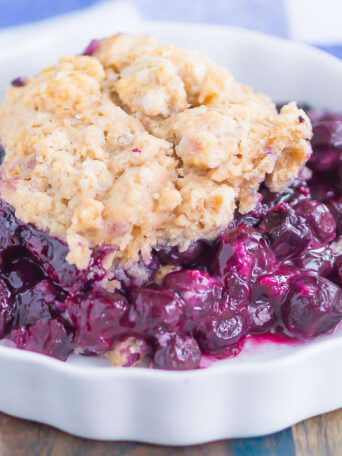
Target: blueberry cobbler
column 154, row 210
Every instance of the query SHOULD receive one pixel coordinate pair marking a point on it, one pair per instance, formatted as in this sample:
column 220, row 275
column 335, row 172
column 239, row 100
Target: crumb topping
column 142, row 145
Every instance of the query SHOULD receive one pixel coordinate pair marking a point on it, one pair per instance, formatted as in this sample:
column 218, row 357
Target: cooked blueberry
column 325, row 159
column 318, row 218
column 178, row 353
column 155, row 311
column 335, row 206
column 313, row 306
column 338, row 269
column 327, row 144
column 322, row 189
column 327, row 133
column 19, row 269
column 319, row 260
column 51, row 254
column 2, row 154
column 50, row 337
column 268, row 294
column 261, row 309
column 252, row 218
column 97, row 316
column 35, row 304
column 238, row 292
column 297, row 191
column 9, row 227
column 243, row 251
column 219, row 335
column 92, row 47
column 18, row 82
column 287, row 232
column 7, row 308
column 200, row 292
column 172, row 255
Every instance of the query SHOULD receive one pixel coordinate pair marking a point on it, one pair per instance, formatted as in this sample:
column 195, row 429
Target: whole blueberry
column 327, row 144
column 2, row 154
column 155, row 311
column 335, row 206
column 313, row 305
column 7, row 308
column 317, row 259
column 200, row 292
column 97, row 316
column 50, row 337
column 327, row 132
column 322, row 188
column 10, row 227
column 35, row 304
column 178, row 353
column 318, row 218
column 287, row 232
column 188, row 257
column 242, row 251
column 220, row 334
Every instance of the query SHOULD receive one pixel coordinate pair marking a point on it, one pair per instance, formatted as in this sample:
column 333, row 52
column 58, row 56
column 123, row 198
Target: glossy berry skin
column 178, row 353
column 10, row 227
column 7, row 308
column 200, row 292
column 268, row 294
column 97, row 317
column 327, row 144
column 313, row 305
column 35, row 304
column 318, row 218
column 242, row 251
column 172, row 255
column 155, row 311
column 220, row 335
column 287, row 232
column 262, row 308
column 335, row 206
column 51, row 254
column 319, row 260
column 338, row 270
column 50, row 337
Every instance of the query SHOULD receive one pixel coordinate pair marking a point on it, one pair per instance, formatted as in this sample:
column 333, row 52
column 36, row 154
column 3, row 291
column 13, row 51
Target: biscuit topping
column 141, row 145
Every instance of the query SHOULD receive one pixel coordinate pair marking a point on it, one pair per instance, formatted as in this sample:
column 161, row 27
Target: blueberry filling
column 275, row 270
column 2, row 154
column 91, row 48
column 18, row 82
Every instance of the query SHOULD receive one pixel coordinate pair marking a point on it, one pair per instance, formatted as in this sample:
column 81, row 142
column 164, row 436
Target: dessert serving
column 154, row 210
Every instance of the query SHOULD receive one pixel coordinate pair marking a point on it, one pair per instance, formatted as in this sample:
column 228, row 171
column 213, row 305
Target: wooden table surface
column 320, row 436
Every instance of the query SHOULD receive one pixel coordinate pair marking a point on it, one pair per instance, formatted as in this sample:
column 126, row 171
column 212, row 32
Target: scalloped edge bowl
column 268, row 387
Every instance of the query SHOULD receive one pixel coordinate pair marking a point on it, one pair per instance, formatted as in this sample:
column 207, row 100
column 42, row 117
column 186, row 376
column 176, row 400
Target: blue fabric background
column 263, row 15
column 268, row 16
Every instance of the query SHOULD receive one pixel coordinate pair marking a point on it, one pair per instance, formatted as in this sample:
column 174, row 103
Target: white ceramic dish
column 268, row 387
